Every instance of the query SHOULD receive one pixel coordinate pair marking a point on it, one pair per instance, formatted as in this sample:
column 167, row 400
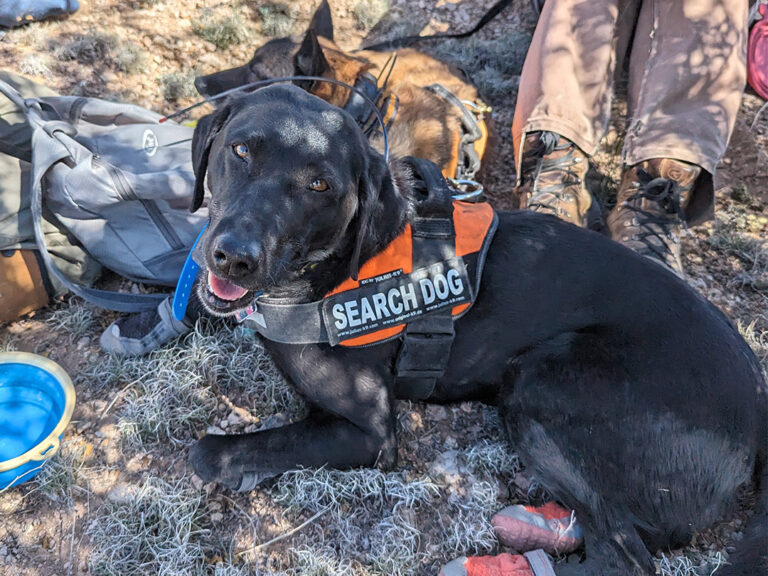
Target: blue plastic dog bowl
column 37, row 399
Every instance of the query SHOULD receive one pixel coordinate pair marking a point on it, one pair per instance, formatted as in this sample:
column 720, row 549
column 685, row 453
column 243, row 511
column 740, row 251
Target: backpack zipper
column 124, row 190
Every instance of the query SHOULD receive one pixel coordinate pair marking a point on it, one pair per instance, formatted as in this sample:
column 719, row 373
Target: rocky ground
column 119, row 498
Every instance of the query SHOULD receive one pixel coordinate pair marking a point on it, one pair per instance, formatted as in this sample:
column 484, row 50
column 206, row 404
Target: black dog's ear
column 310, row 60
column 207, row 129
column 371, row 186
column 322, row 22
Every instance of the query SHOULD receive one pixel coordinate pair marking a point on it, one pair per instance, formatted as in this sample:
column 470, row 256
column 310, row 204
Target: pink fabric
column 757, row 54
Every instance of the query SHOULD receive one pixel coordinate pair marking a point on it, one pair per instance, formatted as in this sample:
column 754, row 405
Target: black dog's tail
column 751, row 555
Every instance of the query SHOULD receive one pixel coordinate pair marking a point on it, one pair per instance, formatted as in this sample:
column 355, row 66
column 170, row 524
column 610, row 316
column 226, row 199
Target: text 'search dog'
column 431, row 110
column 632, row 399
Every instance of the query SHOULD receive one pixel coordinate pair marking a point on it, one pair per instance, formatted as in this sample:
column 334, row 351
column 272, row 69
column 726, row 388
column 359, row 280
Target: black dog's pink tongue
column 224, row 289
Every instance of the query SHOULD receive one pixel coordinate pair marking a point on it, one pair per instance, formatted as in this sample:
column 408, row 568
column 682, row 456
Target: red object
column 501, row 565
column 757, row 54
column 549, row 527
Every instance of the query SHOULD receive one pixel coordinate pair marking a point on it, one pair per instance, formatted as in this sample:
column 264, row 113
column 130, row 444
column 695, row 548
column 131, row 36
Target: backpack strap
column 49, row 146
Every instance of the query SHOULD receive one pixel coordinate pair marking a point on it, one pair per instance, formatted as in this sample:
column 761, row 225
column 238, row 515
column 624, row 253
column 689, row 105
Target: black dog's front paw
column 212, row 460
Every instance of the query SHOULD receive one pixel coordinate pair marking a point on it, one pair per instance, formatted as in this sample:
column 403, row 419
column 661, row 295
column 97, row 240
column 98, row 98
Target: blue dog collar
column 186, row 281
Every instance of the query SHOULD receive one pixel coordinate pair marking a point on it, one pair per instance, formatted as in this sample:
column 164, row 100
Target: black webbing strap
column 427, row 340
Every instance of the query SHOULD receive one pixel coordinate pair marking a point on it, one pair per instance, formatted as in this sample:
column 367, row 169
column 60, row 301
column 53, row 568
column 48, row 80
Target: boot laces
column 566, row 165
column 651, row 225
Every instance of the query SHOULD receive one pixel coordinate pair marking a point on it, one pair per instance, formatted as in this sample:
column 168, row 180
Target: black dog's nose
column 233, row 258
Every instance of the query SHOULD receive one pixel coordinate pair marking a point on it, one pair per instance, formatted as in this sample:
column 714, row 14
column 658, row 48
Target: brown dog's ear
column 322, row 22
column 207, row 129
column 310, row 60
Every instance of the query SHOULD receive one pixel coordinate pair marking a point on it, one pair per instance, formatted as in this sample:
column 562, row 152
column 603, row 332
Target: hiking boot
column 531, row 564
column 549, row 527
column 649, row 214
column 552, row 179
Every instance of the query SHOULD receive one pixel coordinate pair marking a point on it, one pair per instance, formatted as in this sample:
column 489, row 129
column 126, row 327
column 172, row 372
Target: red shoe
column 550, row 527
column 532, row 564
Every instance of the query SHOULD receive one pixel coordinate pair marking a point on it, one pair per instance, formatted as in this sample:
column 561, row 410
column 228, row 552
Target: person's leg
column 563, row 105
column 687, row 74
column 565, row 85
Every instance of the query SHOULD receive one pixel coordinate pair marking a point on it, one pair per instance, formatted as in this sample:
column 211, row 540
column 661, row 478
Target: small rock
column 224, row 424
column 214, row 430
column 217, row 517
column 197, row 482
column 446, row 467
column 121, row 493
column 83, row 342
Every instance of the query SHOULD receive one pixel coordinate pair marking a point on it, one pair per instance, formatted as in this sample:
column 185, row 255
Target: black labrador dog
column 629, row 396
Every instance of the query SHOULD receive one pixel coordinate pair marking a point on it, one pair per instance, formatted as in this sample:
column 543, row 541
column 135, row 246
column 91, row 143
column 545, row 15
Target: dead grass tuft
column 693, row 563
column 171, row 394
column 178, row 85
column 158, row 530
column 65, row 472
column 91, row 47
column 317, row 489
column 222, row 31
column 277, row 19
column 77, row 319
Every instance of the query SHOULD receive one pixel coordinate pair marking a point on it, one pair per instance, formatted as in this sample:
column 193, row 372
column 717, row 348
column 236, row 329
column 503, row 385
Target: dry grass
column 221, row 30
column 277, row 19
column 77, row 319
column 695, row 563
column 170, row 395
column 157, row 530
column 178, row 85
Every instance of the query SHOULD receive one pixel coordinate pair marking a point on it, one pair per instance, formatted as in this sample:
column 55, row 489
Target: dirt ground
column 119, row 498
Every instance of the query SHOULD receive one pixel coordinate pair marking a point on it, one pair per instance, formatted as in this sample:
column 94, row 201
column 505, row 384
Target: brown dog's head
column 314, row 54
column 295, row 192
column 274, row 59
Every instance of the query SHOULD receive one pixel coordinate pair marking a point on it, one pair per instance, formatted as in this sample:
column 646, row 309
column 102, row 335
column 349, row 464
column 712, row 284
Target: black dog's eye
column 319, row 185
column 240, row 150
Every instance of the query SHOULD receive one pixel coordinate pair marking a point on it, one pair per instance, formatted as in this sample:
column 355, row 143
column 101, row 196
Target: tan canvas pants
column 687, row 71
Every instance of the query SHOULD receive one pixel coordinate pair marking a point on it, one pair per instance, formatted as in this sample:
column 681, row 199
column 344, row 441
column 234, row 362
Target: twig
column 115, row 399
column 757, row 116
column 286, row 534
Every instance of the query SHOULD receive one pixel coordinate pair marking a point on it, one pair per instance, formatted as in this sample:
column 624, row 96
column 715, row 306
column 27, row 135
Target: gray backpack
column 120, row 182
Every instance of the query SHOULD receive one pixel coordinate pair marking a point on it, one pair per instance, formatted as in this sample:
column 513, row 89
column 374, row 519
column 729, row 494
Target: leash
column 492, row 12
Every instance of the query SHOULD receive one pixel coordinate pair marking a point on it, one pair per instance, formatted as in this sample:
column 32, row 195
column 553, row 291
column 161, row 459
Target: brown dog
column 432, row 111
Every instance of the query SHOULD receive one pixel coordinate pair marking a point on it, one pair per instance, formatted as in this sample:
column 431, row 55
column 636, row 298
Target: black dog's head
column 276, row 58
column 298, row 197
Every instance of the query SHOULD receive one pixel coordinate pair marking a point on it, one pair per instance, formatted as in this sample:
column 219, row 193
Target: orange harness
column 383, row 306
column 413, row 290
